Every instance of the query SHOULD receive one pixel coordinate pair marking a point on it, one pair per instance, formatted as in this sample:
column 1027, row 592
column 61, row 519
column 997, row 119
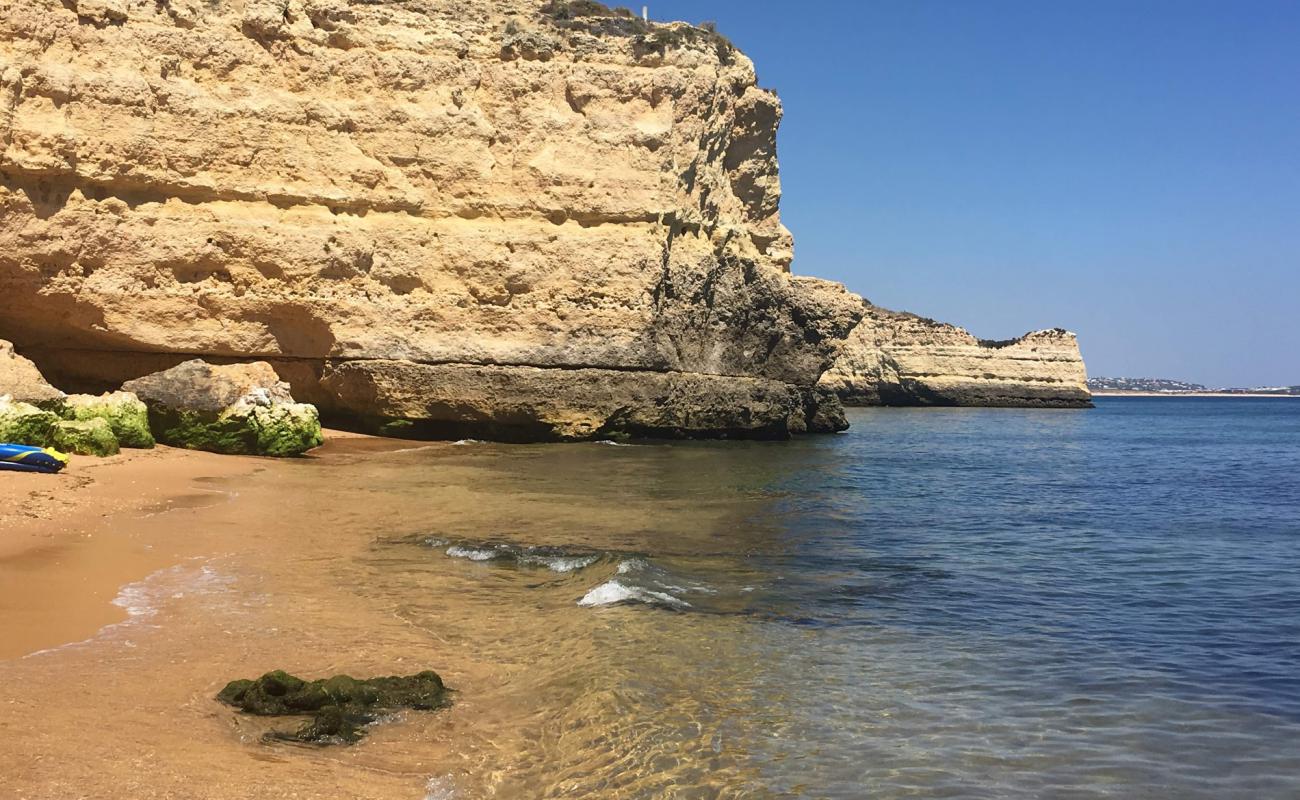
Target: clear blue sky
column 1127, row 169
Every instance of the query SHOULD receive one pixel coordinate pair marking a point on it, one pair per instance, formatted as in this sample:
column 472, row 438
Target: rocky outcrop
column 340, row 707
column 899, row 359
column 124, row 413
column 24, row 423
column 511, row 189
column 243, row 409
column 22, row 382
column 89, row 437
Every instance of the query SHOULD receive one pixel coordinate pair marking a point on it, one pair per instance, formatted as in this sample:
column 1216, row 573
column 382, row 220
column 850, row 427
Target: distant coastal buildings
column 1172, row 387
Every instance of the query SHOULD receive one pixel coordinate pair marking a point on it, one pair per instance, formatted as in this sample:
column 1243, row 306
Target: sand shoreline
column 70, row 542
column 132, row 589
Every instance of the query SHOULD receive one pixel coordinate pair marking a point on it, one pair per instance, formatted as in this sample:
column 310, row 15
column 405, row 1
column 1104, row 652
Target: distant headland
column 1164, row 387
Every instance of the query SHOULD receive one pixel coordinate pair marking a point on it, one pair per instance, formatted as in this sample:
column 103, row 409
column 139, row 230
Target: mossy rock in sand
column 91, row 437
column 279, row 430
column 23, row 423
column 125, row 413
column 242, row 409
column 340, row 707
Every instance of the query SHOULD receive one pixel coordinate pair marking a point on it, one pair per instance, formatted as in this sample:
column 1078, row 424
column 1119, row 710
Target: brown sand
column 96, row 709
column 68, row 542
column 319, row 566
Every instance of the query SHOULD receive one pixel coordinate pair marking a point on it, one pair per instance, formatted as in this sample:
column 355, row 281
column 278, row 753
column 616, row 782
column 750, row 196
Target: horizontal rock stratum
column 898, row 359
column 563, row 225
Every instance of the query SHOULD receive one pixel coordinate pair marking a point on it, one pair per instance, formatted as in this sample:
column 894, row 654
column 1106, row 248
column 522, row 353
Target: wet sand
column 68, row 542
column 118, row 583
column 315, row 566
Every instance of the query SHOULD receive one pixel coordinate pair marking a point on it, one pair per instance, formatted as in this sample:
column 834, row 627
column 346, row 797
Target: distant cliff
column 899, row 359
column 522, row 219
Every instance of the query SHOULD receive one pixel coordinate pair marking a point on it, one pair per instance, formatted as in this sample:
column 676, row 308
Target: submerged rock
column 126, row 415
column 242, row 409
column 24, row 423
column 340, row 707
column 21, row 381
column 90, row 437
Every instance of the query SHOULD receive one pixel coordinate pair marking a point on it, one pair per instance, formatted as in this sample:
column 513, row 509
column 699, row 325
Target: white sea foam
column 554, row 559
column 612, row 443
column 473, row 553
column 439, row 788
column 631, row 565
column 560, row 563
column 141, row 600
column 614, row 591
column 463, row 442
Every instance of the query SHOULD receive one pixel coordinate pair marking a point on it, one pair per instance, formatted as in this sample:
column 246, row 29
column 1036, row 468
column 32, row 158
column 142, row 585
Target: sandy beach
column 118, row 589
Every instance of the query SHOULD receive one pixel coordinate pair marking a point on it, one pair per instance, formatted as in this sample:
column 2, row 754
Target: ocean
column 937, row 603
column 973, row 603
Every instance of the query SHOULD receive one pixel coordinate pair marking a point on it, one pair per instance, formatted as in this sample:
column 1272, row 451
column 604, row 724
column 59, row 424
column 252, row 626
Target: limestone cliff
column 547, row 194
column 899, row 359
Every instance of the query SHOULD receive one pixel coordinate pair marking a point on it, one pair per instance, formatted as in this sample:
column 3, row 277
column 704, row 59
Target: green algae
column 277, row 430
column 91, row 437
column 287, row 429
column 124, row 412
column 23, row 423
column 339, row 707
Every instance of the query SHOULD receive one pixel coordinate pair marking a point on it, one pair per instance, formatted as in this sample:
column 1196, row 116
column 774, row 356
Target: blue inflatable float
column 21, row 458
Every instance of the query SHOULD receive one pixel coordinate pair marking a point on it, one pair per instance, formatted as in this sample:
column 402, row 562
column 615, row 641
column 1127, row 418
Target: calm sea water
column 938, row 603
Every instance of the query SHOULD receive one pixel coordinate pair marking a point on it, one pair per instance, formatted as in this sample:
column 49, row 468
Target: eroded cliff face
column 353, row 191
column 898, row 359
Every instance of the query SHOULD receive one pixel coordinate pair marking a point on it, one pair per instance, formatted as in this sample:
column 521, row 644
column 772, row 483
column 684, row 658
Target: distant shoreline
column 1195, row 394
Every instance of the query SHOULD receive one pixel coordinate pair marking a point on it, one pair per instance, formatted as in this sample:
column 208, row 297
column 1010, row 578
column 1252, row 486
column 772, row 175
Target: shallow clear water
column 972, row 603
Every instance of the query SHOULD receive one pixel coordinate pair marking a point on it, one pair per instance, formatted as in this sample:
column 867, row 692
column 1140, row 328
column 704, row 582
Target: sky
column 1126, row 169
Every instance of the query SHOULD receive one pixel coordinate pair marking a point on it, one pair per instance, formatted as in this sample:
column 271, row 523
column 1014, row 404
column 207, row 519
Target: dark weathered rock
column 340, row 707
column 530, row 404
column 820, row 411
column 238, row 408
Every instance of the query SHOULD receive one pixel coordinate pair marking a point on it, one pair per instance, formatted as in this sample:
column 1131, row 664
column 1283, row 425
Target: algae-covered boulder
column 23, row 382
column 340, row 707
column 242, row 409
column 91, row 437
column 126, row 415
column 24, row 423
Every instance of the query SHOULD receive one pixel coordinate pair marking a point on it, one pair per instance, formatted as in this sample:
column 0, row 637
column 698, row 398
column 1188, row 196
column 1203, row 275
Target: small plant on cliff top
column 573, row 9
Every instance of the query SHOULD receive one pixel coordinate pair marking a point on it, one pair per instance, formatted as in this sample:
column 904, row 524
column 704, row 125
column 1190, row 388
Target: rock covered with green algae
column 126, row 415
column 24, row 423
column 90, row 437
column 340, row 707
column 242, row 409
